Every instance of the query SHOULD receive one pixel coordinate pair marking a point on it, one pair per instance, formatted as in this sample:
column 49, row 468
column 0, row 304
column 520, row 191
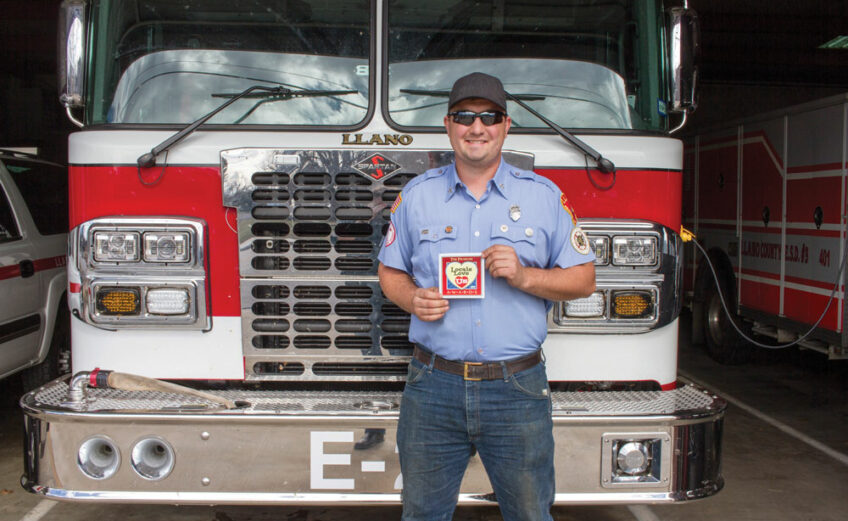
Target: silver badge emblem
column 514, row 212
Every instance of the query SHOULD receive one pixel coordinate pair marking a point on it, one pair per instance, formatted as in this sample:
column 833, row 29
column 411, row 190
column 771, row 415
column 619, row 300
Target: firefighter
column 505, row 244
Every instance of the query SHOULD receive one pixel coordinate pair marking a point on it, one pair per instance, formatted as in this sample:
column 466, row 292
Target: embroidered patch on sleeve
column 579, row 241
column 397, row 202
column 568, row 208
column 390, row 234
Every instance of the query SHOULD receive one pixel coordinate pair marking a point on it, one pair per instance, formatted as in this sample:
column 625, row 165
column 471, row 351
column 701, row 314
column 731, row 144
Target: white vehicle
column 34, row 334
column 230, row 192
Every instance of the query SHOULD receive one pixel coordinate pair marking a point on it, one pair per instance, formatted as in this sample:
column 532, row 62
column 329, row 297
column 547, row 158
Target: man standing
column 477, row 378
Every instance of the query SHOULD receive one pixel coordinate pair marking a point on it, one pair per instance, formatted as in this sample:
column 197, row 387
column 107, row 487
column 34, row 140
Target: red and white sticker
column 461, row 275
column 391, row 235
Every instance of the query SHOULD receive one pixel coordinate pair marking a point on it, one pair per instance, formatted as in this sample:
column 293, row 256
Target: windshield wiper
column 256, row 91
column 604, row 165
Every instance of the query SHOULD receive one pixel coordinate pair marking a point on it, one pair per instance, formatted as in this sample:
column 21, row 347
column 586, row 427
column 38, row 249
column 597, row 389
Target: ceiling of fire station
column 756, row 55
column 773, row 41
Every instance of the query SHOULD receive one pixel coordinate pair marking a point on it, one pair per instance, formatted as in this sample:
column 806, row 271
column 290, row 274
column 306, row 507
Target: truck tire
column 723, row 342
column 58, row 361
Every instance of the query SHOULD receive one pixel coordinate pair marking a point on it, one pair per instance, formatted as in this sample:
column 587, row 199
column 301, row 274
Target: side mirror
column 72, row 27
column 684, row 57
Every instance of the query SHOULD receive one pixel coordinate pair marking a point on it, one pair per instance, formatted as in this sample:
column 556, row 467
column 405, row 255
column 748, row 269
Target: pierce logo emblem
column 377, row 167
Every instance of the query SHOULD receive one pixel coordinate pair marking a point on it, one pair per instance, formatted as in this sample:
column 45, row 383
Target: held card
column 461, row 275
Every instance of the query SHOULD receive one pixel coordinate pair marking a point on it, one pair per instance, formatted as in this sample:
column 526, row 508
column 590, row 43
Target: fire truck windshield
column 164, row 62
column 585, row 64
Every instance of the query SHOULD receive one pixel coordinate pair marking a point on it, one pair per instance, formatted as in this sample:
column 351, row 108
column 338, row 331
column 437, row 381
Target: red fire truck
column 766, row 196
column 231, row 186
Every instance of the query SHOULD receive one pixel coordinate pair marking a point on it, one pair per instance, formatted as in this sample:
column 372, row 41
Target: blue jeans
column 508, row 421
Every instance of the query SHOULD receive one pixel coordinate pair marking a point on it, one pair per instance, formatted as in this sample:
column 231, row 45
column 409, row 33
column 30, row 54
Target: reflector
column 118, row 301
column 632, row 304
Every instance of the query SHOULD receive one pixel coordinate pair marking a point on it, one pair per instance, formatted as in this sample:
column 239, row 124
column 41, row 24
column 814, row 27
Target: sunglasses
column 466, row 117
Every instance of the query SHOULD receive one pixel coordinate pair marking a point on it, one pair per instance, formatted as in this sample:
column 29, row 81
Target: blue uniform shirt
column 437, row 214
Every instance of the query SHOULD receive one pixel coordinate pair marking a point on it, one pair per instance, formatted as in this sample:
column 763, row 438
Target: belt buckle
column 465, row 371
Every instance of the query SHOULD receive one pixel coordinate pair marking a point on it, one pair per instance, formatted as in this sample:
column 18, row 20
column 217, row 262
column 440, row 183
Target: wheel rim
column 715, row 320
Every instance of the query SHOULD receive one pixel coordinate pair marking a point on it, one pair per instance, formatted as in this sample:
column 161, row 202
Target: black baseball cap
column 478, row 85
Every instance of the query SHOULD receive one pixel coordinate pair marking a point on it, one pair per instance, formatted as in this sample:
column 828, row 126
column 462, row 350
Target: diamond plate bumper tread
column 613, row 403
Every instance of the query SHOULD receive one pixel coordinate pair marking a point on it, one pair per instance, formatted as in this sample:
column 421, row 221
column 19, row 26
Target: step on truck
column 230, row 187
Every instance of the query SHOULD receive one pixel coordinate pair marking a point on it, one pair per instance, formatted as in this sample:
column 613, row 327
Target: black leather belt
column 478, row 370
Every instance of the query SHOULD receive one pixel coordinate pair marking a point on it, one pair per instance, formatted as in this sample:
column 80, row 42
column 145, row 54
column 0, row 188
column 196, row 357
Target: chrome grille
column 327, row 329
column 310, row 228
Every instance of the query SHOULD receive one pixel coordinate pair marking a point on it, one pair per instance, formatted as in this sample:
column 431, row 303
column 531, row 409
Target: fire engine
column 766, row 196
column 231, row 185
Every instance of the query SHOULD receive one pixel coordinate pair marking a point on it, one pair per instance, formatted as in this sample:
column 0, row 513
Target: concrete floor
column 777, row 400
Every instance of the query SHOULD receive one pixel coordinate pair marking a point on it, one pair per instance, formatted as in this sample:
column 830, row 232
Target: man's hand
column 428, row 305
column 502, row 262
column 424, row 303
column 551, row 284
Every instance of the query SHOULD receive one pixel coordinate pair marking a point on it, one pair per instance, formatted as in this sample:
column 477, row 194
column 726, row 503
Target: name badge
column 461, row 275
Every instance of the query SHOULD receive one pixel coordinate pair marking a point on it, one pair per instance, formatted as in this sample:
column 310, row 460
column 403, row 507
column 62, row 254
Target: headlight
column 116, row 246
column 600, row 245
column 144, row 271
column 166, row 247
column 634, row 251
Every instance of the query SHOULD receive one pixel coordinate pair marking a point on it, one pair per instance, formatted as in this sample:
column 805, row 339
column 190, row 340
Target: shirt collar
column 501, row 180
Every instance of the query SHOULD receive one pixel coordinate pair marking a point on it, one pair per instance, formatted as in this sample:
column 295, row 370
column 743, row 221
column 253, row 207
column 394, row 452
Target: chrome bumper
column 298, row 447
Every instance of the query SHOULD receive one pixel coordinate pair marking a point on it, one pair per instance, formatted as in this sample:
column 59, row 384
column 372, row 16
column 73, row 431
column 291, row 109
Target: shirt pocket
column 434, row 239
column 522, row 238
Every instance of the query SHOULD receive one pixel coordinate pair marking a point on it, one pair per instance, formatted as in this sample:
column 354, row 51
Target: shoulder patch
column 568, row 208
column 391, row 235
column 579, row 241
column 397, row 202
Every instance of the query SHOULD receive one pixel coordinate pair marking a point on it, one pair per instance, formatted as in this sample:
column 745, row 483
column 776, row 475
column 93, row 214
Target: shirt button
column 477, row 206
column 480, row 350
column 478, row 323
column 477, row 234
